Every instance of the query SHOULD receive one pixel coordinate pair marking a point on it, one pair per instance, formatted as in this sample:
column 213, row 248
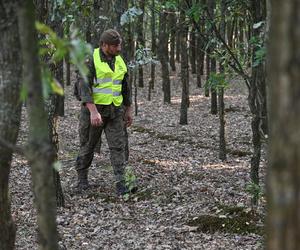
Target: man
column 104, row 99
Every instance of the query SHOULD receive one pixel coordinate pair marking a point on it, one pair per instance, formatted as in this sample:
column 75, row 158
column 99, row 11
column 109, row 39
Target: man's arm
column 86, row 95
column 126, row 93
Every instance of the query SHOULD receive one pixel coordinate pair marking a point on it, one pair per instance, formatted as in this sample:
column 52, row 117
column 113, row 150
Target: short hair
column 111, row 37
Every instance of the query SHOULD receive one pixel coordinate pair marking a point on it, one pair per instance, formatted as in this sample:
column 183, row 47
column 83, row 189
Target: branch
column 12, row 147
column 238, row 68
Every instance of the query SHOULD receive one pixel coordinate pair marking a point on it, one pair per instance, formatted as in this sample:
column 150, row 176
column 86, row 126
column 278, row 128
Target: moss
column 239, row 153
column 232, row 220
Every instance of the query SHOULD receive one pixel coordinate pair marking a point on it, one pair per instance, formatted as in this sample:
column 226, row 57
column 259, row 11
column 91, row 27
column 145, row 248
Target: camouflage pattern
column 113, row 127
column 98, row 146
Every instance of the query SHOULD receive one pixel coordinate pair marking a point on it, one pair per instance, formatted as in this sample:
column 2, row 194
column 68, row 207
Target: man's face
column 111, row 50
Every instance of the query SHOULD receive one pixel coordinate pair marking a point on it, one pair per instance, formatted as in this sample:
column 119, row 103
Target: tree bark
column 153, row 48
column 192, row 49
column 163, row 56
column 141, row 40
column 10, row 112
column 172, row 29
column 254, row 99
column 178, row 41
column 222, row 141
column 284, row 146
column 214, row 104
column 184, row 71
column 40, row 151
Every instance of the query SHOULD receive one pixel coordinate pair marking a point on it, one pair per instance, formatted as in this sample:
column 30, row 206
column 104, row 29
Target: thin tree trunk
column 172, row 29
column 213, row 64
column 10, row 112
column 222, row 141
column 141, row 40
column 199, row 59
column 40, row 151
column 284, row 159
column 257, row 80
column 192, row 49
column 135, row 93
column 184, row 72
column 163, row 56
column 153, row 48
column 178, row 41
column 207, row 61
column 213, row 98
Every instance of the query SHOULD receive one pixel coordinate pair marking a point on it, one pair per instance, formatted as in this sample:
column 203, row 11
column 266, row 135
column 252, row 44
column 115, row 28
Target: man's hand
column 128, row 116
column 96, row 119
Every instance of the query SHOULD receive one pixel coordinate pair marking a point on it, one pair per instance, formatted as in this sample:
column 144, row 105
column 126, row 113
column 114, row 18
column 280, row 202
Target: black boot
column 82, row 183
column 122, row 189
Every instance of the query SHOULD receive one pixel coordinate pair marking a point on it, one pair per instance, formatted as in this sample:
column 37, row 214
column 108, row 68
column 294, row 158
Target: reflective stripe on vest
column 106, row 91
column 108, row 84
column 105, row 80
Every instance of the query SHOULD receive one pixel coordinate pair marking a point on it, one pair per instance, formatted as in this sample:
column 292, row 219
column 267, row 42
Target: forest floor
column 187, row 198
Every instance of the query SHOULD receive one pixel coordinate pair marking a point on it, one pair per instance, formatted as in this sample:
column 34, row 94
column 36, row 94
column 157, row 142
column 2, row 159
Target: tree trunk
column 213, row 97
column 10, row 112
column 213, row 68
column 207, row 62
column 184, row 71
column 172, row 29
column 55, row 103
column 257, row 80
column 153, row 48
column 192, row 49
column 140, row 40
column 163, row 56
column 40, row 151
column 199, row 59
column 222, row 141
column 178, row 41
column 284, row 159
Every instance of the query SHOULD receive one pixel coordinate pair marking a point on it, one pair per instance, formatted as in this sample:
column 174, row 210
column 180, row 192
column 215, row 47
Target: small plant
column 217, row 81
column 130, row 178
column 254, row 190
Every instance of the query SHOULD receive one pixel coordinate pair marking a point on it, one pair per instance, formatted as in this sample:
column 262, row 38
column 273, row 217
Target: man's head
column 110, row 42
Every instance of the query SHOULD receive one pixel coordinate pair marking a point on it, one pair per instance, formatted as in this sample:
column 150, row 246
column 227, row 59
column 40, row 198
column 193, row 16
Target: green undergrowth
column 230, row 219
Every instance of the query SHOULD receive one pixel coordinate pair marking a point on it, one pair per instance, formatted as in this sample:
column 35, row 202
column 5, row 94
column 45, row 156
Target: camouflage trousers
column 98, row 146
column 113, row 127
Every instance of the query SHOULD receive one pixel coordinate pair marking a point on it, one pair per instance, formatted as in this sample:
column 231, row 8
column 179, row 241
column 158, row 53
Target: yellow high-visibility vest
column 108, row 84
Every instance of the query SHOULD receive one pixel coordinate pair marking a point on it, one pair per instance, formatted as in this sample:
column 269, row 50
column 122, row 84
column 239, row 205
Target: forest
column 214, row 146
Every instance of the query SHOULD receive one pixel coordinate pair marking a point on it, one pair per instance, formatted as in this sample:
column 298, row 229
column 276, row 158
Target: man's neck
column 107, row 56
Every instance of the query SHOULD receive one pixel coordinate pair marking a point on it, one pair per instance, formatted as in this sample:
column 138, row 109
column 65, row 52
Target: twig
column 12, row 147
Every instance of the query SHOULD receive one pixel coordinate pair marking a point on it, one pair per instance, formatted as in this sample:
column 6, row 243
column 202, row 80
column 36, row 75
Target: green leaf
column 56, row 87
column 24, row 92
column 44, row 29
